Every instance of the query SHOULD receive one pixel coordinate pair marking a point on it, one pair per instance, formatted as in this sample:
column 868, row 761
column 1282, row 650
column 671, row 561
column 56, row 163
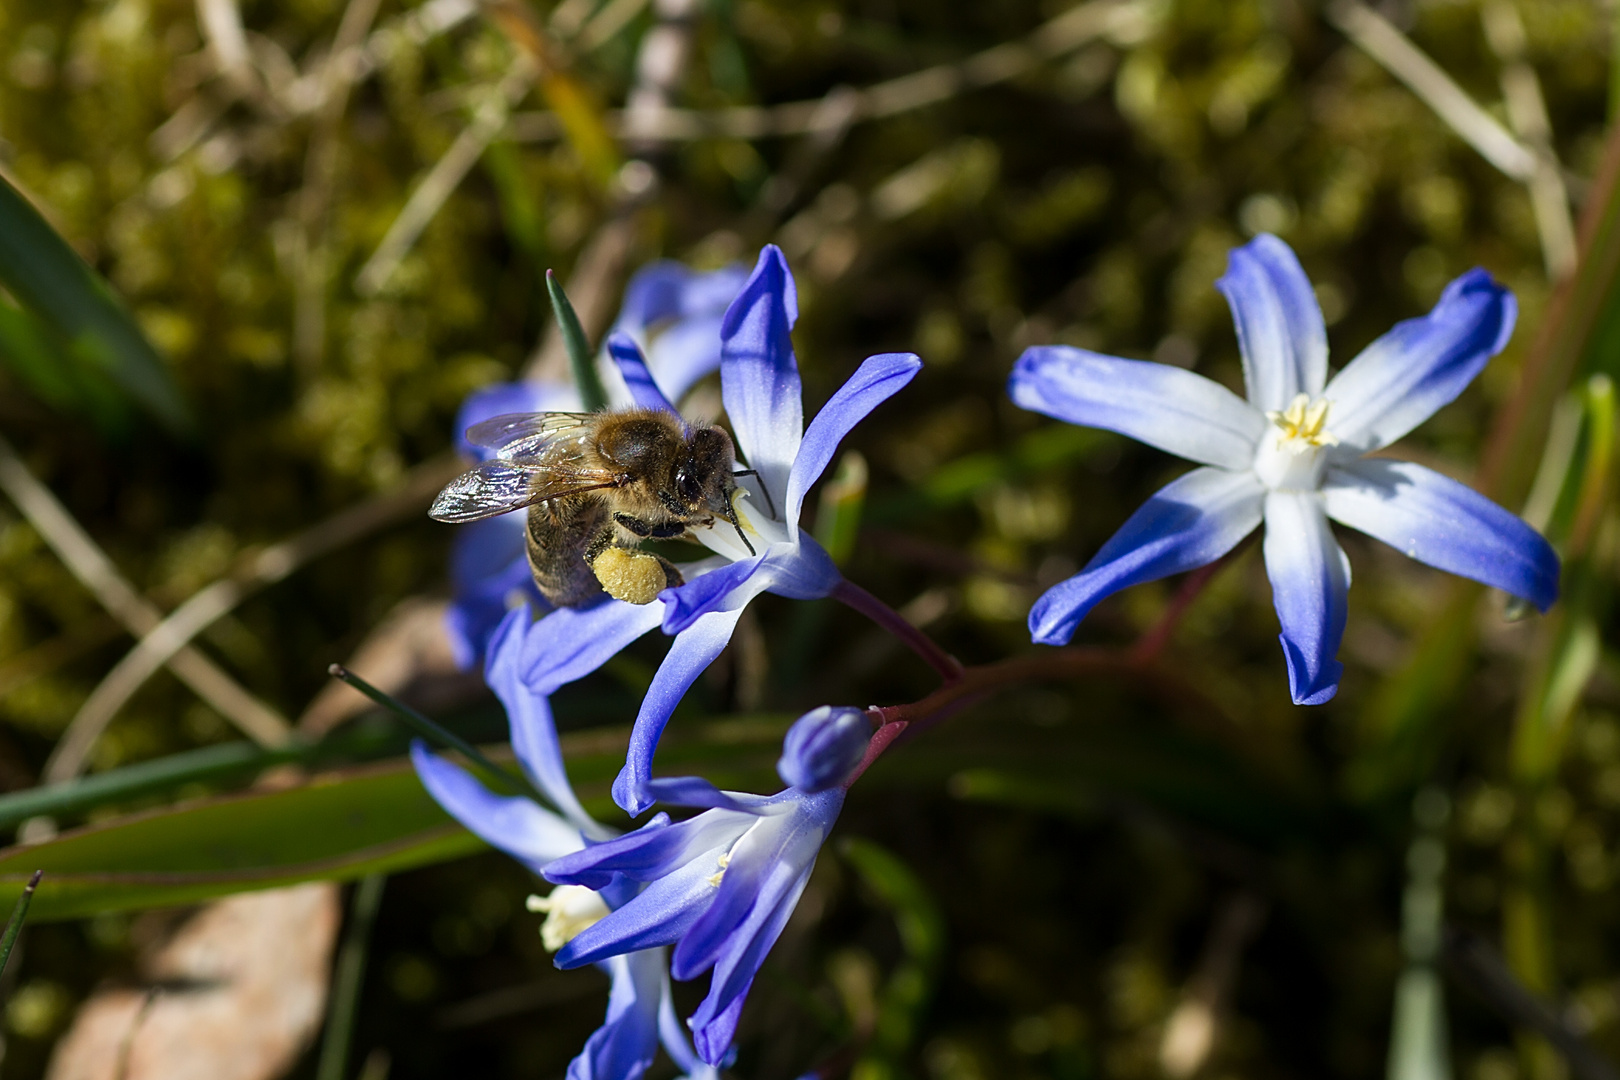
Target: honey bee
column 596, row 485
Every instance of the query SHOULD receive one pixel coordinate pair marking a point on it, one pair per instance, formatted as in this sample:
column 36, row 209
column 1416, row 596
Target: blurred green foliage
column 1051, row 863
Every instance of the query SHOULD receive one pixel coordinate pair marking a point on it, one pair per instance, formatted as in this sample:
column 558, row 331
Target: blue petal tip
column 1301, row 687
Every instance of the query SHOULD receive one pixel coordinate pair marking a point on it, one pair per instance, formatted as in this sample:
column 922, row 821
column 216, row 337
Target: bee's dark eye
column 687, row 485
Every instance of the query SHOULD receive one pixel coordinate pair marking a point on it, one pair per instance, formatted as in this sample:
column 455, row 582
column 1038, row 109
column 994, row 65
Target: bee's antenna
column 731, row 515
column 769, row 504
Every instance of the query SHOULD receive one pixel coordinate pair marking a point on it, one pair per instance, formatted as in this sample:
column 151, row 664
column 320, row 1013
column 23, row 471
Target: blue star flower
column 671, row 311
column 759, row 380
column 640, row 1011
column 1293, row 456
column 720, row 887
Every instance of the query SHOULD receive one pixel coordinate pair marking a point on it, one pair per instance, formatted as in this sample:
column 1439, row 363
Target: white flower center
column 762, row 530
column 1290, row 458
column 724, row 861
column 569, row 909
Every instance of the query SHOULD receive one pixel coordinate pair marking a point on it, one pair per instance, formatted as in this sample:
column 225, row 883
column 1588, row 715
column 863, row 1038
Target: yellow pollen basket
column 632, row 576
column 1304, row 421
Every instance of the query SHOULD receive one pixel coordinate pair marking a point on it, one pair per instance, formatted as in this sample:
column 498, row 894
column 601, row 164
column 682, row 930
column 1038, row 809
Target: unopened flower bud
column 823, row 747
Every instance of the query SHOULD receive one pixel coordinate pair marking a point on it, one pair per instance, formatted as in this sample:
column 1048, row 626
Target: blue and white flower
column 1293, row 456
column 640, row 1011
column 759, row 381
column 673, row 314
column 720, row 887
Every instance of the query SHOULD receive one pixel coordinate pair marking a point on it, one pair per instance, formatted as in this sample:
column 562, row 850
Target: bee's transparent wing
column 497, row 487
column 522, row 435
column 492, row 488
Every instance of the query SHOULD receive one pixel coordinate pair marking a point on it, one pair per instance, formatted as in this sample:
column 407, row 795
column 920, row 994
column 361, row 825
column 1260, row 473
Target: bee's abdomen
column 558, row 533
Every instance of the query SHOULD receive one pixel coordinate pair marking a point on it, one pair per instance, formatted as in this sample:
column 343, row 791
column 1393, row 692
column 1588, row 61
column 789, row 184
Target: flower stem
column 975, row 684
column 881, row 740
column 853, row 596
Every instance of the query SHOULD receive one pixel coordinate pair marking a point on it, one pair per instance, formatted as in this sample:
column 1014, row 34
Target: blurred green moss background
column 1079, row 841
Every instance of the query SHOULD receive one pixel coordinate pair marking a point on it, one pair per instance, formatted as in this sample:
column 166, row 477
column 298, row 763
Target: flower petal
column 658, row 915
column 570, row 643
column 626, row 1043
column 687, row 351
column 686, row 604
column 759, row 378
column 1421, row 364
column 652, row 851
column 488, row 569
column 874, row 382
column 693, row 650
column 696, row 791
column 801, row 571
column 534, row 732
column 1310, row 578
column 675, row 314
column 517, row 826
column 1448, row 525
column 677, row 1042
column 668, row 290
column 1191, row 521
column 1163, row 406
column 714, row 1023
column 745, row 949
column 823, row 747
column 1278, row 321
column 761, row 873
column 638, row 380
column 714, row 1036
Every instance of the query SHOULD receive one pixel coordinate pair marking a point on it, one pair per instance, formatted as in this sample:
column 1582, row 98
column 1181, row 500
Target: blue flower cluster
column 718, row 886
column 759, row 385
column 712, row 892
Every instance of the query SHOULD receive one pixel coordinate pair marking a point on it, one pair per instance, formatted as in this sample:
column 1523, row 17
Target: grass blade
column 334, row 827
column 14, row 925
column 580, row 360
column 47, row 276
column 349, row 978
column 439, row 735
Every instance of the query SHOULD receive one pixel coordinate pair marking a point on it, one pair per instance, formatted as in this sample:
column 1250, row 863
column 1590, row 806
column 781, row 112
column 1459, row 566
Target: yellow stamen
column 1304, row 420
column 725, row 861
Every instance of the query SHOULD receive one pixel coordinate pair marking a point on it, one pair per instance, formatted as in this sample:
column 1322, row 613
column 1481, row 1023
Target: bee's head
column 702, row 479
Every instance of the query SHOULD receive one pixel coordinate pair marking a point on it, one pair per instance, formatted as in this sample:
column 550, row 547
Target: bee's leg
column 636, row 577
column 648, row 531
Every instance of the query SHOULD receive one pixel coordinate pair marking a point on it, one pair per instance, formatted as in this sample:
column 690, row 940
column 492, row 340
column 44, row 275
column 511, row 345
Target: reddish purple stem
column 851, row 595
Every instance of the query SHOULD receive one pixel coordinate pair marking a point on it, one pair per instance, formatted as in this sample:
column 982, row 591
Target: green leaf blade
column 48, row 278
column 338, row 827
